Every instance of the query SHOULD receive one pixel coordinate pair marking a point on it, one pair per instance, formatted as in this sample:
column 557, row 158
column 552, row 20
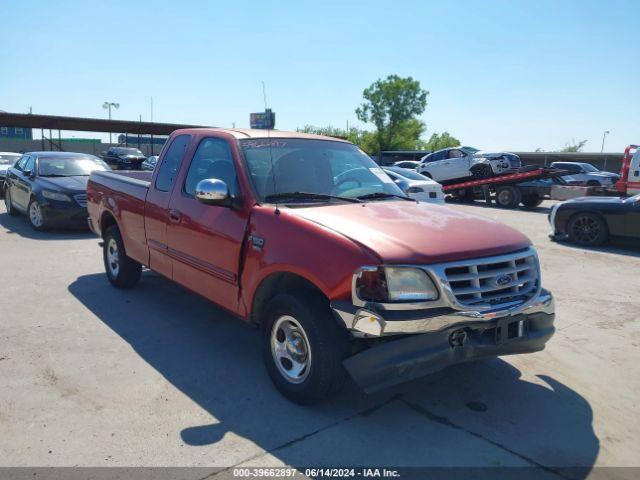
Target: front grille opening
column 487, row 283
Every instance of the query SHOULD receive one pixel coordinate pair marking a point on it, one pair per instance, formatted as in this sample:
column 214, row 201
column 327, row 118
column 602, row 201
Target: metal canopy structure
column 54, row 122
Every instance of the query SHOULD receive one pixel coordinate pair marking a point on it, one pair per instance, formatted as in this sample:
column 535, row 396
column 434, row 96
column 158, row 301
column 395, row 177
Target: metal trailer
column 527, row 187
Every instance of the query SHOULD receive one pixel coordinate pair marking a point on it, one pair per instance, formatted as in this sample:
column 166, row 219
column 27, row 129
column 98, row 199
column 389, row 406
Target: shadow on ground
column 482, row 204
column 474, row 415
column 19, row 225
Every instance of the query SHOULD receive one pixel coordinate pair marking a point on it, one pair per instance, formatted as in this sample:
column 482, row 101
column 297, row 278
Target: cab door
column 633, row 186
column 205, row 241
column 156, row 209
column 21, row 192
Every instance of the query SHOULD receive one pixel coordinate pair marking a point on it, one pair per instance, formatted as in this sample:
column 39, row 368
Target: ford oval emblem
column 502, row 280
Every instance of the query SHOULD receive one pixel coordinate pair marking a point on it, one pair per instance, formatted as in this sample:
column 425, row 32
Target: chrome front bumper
column 372, row 322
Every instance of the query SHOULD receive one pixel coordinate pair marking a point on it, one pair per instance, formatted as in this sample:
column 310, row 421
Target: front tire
column 36, row 217
column 8, row 204
column 587, row 229
column 122, row 271
column 303, row 347
column 481, row 172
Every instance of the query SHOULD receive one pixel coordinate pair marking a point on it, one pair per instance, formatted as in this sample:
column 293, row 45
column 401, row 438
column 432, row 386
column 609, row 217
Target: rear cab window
column 171, row 162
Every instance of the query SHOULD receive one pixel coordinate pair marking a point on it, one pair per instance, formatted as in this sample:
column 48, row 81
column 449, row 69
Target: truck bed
column 129, row 182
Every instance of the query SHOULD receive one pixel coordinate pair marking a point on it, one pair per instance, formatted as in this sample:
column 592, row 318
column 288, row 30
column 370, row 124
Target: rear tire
column 303, row 347
column 587, row 229
column 532, row 200
column 122, row 271
column 9, row 205
column 508, row 197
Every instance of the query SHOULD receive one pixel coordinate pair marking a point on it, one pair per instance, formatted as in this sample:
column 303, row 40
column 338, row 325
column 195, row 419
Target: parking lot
column 157, row 376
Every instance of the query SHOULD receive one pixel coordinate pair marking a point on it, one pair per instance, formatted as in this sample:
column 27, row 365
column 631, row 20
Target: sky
column 513, row 75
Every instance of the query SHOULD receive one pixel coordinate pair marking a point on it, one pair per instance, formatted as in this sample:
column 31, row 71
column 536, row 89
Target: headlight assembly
column 394, row 284
column 51, row 195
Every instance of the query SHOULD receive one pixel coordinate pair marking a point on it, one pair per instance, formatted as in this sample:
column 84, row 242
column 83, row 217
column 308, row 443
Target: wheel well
column 593, row 183
column 274, row 284
column 106, row 221
column 593, row 214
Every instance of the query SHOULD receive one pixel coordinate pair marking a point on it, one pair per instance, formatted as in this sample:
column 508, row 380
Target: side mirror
column 212, row 191
column 27, row 173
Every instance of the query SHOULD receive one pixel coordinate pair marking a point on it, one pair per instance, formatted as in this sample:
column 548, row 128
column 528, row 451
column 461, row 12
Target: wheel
column 36, row 218
column 8, row 204
column 303, row 347
column 508, row 196
column 122, row 271
column 587, row 229
column 532, row 200
column 481, row 171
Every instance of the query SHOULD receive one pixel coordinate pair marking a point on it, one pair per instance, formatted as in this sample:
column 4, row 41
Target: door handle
column 174, row 215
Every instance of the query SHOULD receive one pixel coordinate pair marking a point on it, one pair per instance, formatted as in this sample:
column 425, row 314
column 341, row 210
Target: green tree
column 438, row 141
column 574, row 147
column 392, row 105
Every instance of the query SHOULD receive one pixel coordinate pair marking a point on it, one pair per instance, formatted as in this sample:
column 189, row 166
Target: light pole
column 107, row 106
column 606, row 132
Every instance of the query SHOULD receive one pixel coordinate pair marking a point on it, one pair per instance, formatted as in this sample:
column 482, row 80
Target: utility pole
column 606, row 132
column 107, row 106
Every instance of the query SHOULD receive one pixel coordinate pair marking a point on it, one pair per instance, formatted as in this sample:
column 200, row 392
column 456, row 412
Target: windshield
column 8, row 159
column 469, row 150
column 325, row 167
column 410, row 174
column 589, row 168
column 69, row 166
column 129, row 151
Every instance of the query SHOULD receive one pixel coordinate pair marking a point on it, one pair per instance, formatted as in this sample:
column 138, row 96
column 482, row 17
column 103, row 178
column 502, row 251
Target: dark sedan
column 590, row 221
column 124, row 158
column 51, row 188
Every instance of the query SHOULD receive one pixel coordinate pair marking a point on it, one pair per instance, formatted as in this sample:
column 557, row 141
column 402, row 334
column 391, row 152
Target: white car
column 415, row 185
column 462, row 163
column 7, row 159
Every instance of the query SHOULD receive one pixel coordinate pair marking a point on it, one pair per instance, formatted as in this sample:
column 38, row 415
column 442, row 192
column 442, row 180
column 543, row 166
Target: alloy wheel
column 290, row 349
column 113, row 257
column 585, row 229
column 35, row 214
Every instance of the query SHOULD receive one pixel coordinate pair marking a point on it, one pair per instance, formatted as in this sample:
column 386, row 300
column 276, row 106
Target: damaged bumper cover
column 445, row 339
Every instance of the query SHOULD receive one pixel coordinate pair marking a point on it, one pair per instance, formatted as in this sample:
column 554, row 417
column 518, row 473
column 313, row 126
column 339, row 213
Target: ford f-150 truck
column 308, row 239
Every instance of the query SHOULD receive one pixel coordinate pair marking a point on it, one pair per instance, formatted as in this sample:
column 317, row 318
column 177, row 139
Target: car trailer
column 527, row 187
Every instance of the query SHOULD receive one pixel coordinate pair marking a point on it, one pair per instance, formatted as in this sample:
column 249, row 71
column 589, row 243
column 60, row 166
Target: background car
column 149, row 163
column 408, row 164
column 124, row 158
column 458, row 163
column 591, row 221
column 415, row 185
column 586, row 174
column 51, row 187
column 7, row 159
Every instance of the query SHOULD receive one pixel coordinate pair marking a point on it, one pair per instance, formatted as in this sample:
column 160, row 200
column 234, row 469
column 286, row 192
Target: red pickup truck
column 307, row 238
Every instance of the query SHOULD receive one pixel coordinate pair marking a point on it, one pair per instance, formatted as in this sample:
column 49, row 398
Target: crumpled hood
column 408, row 232
column 78, row 183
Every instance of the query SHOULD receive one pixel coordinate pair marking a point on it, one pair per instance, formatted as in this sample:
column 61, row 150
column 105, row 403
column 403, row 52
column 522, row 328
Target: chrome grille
column 513, row 278
column 81, row 199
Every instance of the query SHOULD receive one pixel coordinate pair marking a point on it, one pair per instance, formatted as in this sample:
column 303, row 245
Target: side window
column 30, row 164
column 22, row 162
column 212, row 160
column 171, row 163
column 455, row 153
